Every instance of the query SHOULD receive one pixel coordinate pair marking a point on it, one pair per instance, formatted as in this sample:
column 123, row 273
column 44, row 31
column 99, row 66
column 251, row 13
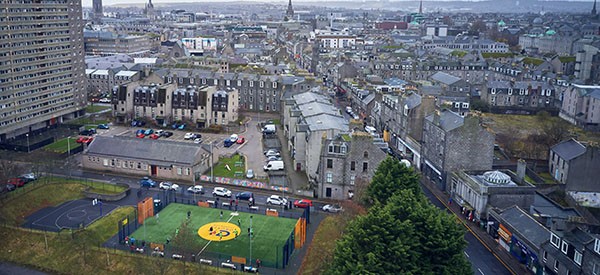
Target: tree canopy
column 390, row 177
column 408, row 235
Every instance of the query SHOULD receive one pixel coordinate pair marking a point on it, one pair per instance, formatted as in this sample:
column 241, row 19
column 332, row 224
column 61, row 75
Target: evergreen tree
column 408, row 235
column 390, row 177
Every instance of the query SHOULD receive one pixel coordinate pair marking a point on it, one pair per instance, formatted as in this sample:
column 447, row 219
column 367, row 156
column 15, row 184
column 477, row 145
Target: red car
column 86, row 140
column 16, row 182
column 240, row 140
column 154, row 136
column 81, row 139
column 303, row 203
column 140, row 135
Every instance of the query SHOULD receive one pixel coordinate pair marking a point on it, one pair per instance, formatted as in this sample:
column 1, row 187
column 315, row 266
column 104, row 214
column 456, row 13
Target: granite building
column 42, row 80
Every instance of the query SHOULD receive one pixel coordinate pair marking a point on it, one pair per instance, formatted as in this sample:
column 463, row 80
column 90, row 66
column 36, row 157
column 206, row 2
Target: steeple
column 593, row 9
column 421, row 7
column 290, row 11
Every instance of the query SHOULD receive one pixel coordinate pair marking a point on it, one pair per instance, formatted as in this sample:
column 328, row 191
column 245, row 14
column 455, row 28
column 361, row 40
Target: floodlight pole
column 251, row 240
column 211, row 161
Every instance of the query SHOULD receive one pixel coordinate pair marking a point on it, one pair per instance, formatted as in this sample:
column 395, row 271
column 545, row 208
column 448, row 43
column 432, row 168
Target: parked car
column 28, row 177
column 273, row 158
column 159, row 132
column 188, row 136
column 221, row 192
column 103, row 126
column 138, row 123
column 240, row 140
column 276, row 200
column 250, row 174
column 303, row 203
column 10, row 187
column 165, row 185
column 272, row 152
column 196, row 189
column 147, row 182
column 86, row 140
column 198, row 140
column 140, row 135
column 333, row 208
column 148, row 132
column 197, row 136
column 154, row 136
column 88, row 132
column 16, row 182
column 233, row 138
column 244, row 196
column 227, row 142
column 274, row 165
column 167, row 134
column 104, row 100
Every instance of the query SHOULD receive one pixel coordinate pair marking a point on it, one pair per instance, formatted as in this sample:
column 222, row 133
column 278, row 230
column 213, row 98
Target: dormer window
column 343, row 148
column 330, row 148
column 555, row 240
column 597, row 246
column 565, row 247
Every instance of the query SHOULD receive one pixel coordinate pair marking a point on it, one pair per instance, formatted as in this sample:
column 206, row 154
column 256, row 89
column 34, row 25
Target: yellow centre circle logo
column 219, row 231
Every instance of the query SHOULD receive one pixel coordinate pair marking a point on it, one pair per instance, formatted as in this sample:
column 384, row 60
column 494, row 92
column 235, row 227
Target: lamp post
column 251, row 240
column 211, row 161
column 27, row 135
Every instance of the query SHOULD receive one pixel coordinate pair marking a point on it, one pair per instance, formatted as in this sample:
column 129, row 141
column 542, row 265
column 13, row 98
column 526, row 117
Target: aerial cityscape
column 299, row 137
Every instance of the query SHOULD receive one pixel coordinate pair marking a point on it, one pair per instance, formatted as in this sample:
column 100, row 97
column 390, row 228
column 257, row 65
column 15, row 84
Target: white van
column 269, row 129
column 274, row 165
column 370, row 129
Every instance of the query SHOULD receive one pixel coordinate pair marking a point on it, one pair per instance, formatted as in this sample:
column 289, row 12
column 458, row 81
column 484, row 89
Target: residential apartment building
column 581, row 106
column 571, row 251
column 452, row 143
column 198, row 107
column 336, row 40
column 308, row 120
column 347, row 159
column 528, row 95
column 575, row 164
column 102, row 81
column 104, row 43
column 263, row 93
column 42, row 67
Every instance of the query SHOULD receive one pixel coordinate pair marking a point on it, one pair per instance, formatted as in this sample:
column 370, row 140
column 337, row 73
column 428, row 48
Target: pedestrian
column 248, row 231
column 126, row 240
column 239, row 222
column 220, row 237
column 210, row 230
column 251, row 201
column 221, row 215
column 236, row 206
column 258, row 263
column 189, row 214
column 157, row 217
column 450, row 201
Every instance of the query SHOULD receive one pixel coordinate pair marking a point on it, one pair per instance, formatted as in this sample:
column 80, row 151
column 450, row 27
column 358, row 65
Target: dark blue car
column 147, row 182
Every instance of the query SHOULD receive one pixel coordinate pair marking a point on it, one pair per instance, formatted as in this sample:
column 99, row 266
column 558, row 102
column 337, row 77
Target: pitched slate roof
column 161, row 152
column 568, row 149
column 445, row 78
column 520, row 221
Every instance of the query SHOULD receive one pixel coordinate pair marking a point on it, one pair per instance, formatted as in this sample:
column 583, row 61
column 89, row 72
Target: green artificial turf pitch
column 270, row 233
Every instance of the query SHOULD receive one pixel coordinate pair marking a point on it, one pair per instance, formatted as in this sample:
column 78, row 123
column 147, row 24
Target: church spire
column 290, row 11
column 421, row 7
column 593, row 9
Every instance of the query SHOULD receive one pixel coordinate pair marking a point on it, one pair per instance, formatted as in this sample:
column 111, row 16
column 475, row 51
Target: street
column 482, row 260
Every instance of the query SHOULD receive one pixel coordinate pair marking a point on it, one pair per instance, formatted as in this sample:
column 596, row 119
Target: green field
column 95, row 108
column 220, row 169
column 270, row 233
column 62, row 146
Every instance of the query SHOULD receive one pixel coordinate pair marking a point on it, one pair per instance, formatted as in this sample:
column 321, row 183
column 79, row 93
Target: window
column 343, row 148
column 577, row 257
column 545, row 256
column 597, row 246
column 352, row 165
column 329, row 163
column 556, row 265
column 178, row 171
column 330, row 148
column 105, row 162
column 365, row 166
column 187, row 171
column 596, row 269
column 554, row 240
column 352, row 178
column 329, row 177
column 565, row 247
column 366, row 154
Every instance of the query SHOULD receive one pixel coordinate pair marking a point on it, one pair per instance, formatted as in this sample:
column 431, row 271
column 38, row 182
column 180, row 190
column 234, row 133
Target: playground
column 221, row 233
column 69, row 215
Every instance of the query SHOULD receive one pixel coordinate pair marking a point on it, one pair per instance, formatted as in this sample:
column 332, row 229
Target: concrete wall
column 583, row 171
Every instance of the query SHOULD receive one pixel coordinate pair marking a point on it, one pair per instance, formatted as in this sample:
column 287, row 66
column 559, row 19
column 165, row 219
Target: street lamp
column 211, row 161
column 27, row 135
column 251, row 240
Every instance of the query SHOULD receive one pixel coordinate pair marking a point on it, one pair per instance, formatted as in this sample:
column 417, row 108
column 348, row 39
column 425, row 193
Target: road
column 483, row 262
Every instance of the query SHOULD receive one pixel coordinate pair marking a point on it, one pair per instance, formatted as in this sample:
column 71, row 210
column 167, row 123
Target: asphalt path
column 483, row 262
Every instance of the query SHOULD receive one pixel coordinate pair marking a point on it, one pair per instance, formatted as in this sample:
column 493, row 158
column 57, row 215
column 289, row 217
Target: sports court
column 270, row 234
column 69, row 215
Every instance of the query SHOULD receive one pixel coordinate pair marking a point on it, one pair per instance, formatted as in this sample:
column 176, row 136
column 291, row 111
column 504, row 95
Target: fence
column 283, row 254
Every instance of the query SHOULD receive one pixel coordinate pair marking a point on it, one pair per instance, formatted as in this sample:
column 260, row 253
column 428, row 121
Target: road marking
column 123, row 133
column 466, row 254
column 480, row 271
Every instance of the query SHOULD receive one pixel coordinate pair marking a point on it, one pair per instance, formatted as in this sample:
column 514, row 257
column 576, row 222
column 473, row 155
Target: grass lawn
column 95, row 108
column 547, row 177
column 88, row 121
column 61, row 146
column 270, row 233
column 220, row 169
column 104, row 188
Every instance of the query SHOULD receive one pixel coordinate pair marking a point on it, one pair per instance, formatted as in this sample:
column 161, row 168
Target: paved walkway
column 514, row 266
